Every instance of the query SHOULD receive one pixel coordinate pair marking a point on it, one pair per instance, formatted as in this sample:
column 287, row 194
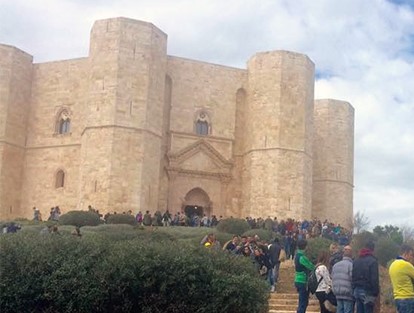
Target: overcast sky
column 363, row 51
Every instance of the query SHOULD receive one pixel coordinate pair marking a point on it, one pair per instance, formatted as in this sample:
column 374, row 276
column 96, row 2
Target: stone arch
column 198, row 201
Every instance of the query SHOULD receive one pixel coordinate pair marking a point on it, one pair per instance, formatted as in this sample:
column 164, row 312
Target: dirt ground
column 386, row 298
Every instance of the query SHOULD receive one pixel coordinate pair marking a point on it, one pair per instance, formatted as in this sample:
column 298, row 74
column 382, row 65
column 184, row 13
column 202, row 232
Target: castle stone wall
column 278, row 156
column 333, row 156
column 15, row 90
column 133, row 144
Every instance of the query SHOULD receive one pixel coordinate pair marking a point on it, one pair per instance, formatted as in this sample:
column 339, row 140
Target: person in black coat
column 274, row 254
column 365, row 279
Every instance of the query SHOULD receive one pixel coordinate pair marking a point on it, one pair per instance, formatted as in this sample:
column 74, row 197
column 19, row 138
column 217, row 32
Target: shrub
column 385, row 250
column 359, row 240
column 235, row 226
column 315, row 246
column 93, row 274
column 121, row 219
column 263, row 234
column 80, row 218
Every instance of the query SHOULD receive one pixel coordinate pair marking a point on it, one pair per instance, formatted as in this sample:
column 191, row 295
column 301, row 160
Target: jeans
column 364, row 302
column 303, row 297
column 270, row 276
column 405, row 305
column 344, row 306
column 276, row 272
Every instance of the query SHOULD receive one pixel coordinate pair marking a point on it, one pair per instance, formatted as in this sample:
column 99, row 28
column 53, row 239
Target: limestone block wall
column 202, row 86
column 39, row 189
column 132, row 108
column 211, row 88
column 333, row 164
column 15, row 91
column 126, row 95
column 278, row 141
column 56, row 86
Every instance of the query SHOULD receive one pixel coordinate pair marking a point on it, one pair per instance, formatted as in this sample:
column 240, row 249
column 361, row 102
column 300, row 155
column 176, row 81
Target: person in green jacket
column 303, row 266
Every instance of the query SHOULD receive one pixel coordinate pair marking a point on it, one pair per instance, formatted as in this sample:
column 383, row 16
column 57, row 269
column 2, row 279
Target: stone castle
column 132, row 128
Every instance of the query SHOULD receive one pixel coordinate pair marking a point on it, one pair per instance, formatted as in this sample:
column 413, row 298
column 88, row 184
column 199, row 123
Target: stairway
column 285, row 299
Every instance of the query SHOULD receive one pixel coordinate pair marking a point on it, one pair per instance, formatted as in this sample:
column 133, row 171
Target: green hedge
column 93, row 274
column 315, row 246
column 263, row 234
column 121, row 219
column 386, row 250
column 80, row 218
column 235, row 226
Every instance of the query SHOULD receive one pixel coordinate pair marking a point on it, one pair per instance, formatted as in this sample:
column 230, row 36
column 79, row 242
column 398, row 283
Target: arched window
column 63, row 122
column 60, row 179
column 202, row 128
column 202, row 124
column 64, row 126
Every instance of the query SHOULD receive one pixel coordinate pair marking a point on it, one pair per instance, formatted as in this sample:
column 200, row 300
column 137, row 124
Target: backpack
column 313, row 281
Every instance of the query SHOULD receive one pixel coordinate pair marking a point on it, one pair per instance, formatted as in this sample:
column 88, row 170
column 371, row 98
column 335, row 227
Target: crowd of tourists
column 343, row 284
column 340, row 282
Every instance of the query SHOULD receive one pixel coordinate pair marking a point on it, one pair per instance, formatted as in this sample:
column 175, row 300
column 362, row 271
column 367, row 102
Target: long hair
column 323, row 258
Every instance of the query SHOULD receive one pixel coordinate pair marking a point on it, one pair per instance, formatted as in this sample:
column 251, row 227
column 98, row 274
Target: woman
column 324, row 292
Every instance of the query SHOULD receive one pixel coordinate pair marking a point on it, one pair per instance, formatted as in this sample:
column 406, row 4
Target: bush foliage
column 386, row 249
column 315, row 246
column 63, row 273
column 264, row 234
column 235, row 226
column 80, row 218
column 121, row 219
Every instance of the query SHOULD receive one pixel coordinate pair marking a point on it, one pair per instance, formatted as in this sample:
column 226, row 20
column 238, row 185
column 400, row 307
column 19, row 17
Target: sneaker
column 272, row 289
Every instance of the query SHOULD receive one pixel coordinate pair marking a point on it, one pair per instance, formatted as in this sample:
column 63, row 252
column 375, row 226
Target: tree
column 360, row 221
column 389, row 232
column 407, row 232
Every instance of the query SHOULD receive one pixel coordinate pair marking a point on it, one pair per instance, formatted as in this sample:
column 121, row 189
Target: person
column 166, row 218
column 37, row 216
column 139, row 217
column 324, row 294
column 210, row 241
column 402, row 279
column 147, row 220
column 232, row 245
column 76, row 232
column 274, row 254
column 365, row 279
column 336, row 255
column 342, row 282
column 302, row 267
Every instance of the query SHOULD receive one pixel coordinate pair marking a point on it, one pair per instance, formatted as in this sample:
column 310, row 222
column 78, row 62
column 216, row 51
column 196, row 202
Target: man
column 402, row 279
column 302, row 267
column 365, row 279
column 342, row 282
column 274, row 254
column 336, row 255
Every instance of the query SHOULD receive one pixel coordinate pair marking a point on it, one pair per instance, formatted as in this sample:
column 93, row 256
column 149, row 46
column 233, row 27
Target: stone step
column 292, row 311
column 290, row 301
column 292, row 308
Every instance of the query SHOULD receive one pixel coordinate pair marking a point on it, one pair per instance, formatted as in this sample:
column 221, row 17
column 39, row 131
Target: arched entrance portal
column 196, row 202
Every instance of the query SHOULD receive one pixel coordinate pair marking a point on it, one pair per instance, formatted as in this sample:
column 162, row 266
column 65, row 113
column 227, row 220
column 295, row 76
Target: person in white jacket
column 324, row 292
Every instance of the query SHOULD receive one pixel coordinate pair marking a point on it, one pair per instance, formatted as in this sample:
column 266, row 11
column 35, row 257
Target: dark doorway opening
column 190, row 210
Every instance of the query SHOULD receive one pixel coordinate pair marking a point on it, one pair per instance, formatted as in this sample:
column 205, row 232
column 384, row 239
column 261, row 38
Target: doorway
column 191, row 210
column 196, row 202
